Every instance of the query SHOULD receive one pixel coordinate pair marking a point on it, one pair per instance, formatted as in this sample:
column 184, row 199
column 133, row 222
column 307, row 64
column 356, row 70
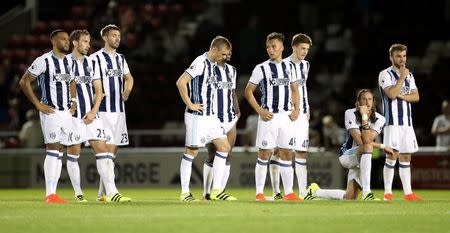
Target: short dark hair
column 220, row 42
column 55, row 32
column 275, row 36
column 76, row 34
column 105, row 30
column 301, row 38
column 397, row 47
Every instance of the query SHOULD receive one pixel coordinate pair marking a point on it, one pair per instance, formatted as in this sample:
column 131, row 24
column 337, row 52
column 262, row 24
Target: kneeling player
column 363, row 124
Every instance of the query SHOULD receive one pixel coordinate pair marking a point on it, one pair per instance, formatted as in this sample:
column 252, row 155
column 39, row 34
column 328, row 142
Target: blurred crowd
column 160, row 38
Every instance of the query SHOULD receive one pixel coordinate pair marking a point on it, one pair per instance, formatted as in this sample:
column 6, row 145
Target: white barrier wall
column 159, row 167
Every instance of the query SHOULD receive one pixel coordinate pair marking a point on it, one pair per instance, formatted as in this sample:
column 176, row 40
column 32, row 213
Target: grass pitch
column 159, row 210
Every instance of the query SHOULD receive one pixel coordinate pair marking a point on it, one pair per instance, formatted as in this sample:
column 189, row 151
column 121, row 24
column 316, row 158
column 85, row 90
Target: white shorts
column 56, row 127
column 401, row 138
column 301, row 129
column 82, row 132
column 349, row 159
column 229, row 125
column 201, row 130
column 115, row 125
column 278, row 132
column 354, row 174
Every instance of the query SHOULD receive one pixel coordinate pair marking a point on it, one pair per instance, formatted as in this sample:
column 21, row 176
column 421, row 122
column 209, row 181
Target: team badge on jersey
column 405, row 91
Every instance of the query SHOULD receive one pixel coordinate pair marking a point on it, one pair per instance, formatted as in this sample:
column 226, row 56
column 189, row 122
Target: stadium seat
column 33, row 53
column 6, row 54
column 177, row 9
column 149, row 9
column 40, row 27
column 16, row 41
column 82, row 24
column 31, row 41
column 54, row 24
column 163, row 9
column 78, row 12
column 69, row 25
column 44, row 41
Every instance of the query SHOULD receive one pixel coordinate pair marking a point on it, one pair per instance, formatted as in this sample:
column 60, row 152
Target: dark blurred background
column 351, row 39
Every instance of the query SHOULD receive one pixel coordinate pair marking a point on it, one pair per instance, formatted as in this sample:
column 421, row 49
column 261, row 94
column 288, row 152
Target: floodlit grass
column 159, row 210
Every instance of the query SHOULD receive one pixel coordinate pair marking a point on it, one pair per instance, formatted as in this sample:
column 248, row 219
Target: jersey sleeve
column 96, row 67
column 384, row 80
column 233, row 77
column 350, row 120
column 126, row 70
column 257, row 75
column 289, row 71
column 37, row 67
column 196, row 68
column 412, row 82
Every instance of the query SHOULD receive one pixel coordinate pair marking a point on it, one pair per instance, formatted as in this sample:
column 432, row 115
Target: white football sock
column 58, row 171
column 185, row 172
column 405, row 176
column 365, row 167
column 274, row 172
column 301, row 172
column 50, row 163
column 330, row 193
column 226, row 174
column 74, row 173
column 260, row 174
column 219, row 169
column 287, row 175
column 103, row 161
column 207, row 177
column 388, row 175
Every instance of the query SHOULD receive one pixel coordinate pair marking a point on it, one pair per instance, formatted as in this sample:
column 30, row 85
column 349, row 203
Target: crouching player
column 362, row 125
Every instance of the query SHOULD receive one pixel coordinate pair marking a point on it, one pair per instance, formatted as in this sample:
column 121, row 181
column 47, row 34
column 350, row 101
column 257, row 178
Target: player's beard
column 113, row 45
column 63, row 49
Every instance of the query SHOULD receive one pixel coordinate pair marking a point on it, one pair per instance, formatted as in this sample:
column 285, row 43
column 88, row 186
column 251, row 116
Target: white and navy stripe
column 83, row 72
column 111, row 69
column 398, row 111
column 54, row 77
column 299, row 71
column 274, row 81
column 225, row 84
column 200, row 88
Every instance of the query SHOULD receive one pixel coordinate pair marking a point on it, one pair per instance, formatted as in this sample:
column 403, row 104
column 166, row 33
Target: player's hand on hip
column 294, row 115
column 89, row 118
column 46, row 109
column 265, row 115
column 196, row 108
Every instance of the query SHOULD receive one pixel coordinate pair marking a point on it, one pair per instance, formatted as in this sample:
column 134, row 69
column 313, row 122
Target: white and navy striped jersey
column 274, row 81
column 300, row 72
column 224, row 85
column 83, row 72
column 112, row 70
column 54, row 77
column 351, row 122
column 200, row 88
column 396, row 112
